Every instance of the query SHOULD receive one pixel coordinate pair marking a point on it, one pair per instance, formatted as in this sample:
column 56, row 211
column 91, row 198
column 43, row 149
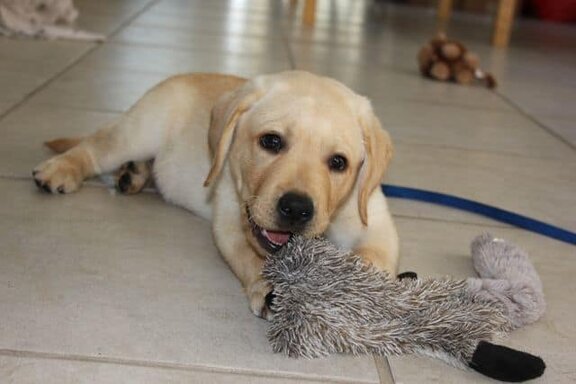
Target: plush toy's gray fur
column 328, row 301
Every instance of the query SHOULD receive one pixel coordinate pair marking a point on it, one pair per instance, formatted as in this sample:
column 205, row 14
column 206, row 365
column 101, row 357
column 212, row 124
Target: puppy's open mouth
column 268, row 239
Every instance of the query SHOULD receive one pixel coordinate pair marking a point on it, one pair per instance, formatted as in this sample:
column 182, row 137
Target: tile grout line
column 80, row 108
column 495, row 152
column 289, row 53
column 472, row 108
column 535, row 120
column 204, row 31
column 47, row 82
column 137, row 44
column 384, row 370
column 171, row 366
column 82, row 56
column 185, row 48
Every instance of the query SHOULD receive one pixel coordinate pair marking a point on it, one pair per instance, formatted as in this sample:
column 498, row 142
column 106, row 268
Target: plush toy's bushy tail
column 507, row 275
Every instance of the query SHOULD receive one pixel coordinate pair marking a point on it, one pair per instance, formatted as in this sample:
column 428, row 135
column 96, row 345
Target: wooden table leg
column 309, row 13
column 444, row 9
column 503, row 23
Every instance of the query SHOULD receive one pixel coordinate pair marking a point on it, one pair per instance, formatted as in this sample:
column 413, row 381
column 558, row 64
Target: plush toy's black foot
column 506, row 364
column 407, row 275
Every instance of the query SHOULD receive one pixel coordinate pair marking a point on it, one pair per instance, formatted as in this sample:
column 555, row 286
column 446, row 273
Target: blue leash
column 481, row 209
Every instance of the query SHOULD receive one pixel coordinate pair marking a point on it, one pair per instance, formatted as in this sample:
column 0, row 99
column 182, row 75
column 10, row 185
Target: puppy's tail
column 63, row 144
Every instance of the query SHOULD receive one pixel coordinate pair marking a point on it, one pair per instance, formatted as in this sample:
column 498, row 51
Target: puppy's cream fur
column 203, row 132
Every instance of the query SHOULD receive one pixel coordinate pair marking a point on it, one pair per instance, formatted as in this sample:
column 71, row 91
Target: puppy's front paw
column 260, row 296
column 58, row 175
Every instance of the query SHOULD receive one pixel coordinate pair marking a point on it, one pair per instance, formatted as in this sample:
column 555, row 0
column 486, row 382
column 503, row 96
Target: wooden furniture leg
column 503, row 23
column 444, row 10
column 309, row 13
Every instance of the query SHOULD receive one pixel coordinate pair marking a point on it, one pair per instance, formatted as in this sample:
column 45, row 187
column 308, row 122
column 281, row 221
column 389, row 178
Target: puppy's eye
column 271, row 142
column 337, row 163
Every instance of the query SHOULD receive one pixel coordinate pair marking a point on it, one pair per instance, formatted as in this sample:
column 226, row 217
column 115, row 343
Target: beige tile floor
column 101, row 288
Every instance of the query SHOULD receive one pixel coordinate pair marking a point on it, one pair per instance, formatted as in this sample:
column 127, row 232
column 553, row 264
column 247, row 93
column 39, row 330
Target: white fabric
column 51, row 19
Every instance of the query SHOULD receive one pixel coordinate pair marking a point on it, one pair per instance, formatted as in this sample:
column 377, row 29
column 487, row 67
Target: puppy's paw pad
column 132, row 177
column 124, row 182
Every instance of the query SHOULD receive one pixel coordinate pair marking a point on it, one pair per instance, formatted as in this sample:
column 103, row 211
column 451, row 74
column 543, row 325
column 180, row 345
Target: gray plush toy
column 327, row 300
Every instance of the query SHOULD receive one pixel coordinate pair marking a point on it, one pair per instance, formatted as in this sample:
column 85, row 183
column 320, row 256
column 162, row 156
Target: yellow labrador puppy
column 262, row 159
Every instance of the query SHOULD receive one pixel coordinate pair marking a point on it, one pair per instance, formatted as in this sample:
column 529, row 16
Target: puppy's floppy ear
column 378, row 147
column 224, row 120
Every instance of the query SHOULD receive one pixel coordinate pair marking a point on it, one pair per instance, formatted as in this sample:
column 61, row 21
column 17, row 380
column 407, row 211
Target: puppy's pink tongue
column 279, row 238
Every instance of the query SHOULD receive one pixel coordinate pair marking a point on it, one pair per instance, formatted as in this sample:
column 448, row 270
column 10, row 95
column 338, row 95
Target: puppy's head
column 297, row 145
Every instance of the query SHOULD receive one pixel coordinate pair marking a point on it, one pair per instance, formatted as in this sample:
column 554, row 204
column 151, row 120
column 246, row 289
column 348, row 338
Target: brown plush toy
column 448, row 60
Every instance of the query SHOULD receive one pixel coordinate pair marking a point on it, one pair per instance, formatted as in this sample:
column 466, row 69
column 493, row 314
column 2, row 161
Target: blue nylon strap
column 481, row 209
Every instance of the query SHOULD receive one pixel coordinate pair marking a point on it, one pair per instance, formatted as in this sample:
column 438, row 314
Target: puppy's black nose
column 295, row 209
